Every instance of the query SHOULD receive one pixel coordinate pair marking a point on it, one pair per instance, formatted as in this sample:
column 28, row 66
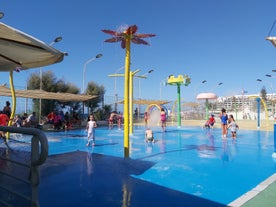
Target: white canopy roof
column 18, row 49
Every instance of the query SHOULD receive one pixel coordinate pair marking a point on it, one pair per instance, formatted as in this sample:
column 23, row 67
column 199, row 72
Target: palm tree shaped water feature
column 126, row 36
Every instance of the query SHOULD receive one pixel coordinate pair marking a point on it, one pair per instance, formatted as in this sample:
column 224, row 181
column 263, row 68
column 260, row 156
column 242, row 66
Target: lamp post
column 57, row 39
column 243, row 92
column 83, row 75
column 139, row 87
column 84, row 69
column 271, row 88
column 270, row 84
column 115, row 88
column 196, row 87
column 217, row 86
column 1, row 15
column 162, row 82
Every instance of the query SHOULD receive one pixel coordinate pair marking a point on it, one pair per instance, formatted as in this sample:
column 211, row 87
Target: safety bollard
column 274, row 153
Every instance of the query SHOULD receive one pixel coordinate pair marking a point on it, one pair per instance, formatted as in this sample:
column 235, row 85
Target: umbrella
column 206, row 97
column 20, row 51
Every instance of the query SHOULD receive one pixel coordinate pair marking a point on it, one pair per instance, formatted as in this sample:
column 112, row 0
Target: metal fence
column 20, row 158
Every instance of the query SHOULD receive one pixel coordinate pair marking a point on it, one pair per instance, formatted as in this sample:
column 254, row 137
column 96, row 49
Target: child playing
column 149, row 135
column 90, row 127
column 233, row 126
column 210, row 122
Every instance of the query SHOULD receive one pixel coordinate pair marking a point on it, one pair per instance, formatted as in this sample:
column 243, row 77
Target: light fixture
column 1, row 15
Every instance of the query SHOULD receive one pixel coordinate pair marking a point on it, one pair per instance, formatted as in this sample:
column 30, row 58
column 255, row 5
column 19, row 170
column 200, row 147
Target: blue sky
column 212, row 40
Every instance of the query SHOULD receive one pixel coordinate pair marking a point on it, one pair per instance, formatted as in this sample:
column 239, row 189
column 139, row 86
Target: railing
column 19, row 162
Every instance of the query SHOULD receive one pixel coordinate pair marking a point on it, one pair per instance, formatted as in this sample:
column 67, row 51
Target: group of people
column 149, row 133
column 115, row 118
column 227, row 122
column 17, row 121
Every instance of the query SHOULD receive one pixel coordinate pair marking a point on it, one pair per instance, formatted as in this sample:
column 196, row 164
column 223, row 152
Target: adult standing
column 4, row 119
column 224, row 119
column 7, row 109
column 163, row 119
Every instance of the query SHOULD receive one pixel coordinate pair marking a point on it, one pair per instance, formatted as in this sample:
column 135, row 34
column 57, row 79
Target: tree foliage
column 95, row 90
column 263, row 94
column 51, row 84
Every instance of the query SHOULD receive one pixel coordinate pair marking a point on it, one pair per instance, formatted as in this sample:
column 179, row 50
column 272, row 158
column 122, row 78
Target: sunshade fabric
column 146, row 102
column 18, row 49
column 39, row 94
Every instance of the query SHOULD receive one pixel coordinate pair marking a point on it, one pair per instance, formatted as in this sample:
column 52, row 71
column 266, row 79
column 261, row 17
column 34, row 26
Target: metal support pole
column 274, row 153
column 258, row 112
column 179, row 106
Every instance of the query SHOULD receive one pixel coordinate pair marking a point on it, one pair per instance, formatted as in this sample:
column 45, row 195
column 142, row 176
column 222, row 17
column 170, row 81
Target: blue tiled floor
column 185, row 167
column 82, row 179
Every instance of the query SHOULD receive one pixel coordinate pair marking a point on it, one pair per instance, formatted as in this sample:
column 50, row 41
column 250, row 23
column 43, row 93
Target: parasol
column 20, row 51
column 206, row 97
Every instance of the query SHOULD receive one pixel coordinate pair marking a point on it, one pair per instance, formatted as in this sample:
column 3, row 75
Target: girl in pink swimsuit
column 163, row 119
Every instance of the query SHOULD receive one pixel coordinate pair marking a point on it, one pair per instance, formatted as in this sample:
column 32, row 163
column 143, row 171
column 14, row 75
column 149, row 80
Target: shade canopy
column 205, row 96
column 20, row 50
column 146, row 102
column 39, row 94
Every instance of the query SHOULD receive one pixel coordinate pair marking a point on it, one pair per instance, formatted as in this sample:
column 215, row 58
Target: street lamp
column 84, row 68
column 243, row 92
column 217, row 86
column 1, row 15
column 130, row 95
column 57, row 39
column 162, row 83
column 144, row 75
column 139, row 87
column 270, row 84
column 115, row 87
column 197, row 86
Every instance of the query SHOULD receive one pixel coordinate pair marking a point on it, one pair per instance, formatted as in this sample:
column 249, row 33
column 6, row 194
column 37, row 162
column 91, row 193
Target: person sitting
column 149, row 135
column 24, row 118
column 210, row 122
column 32, row 120
column 57, row 123
column 51, row 117
column 16, row 121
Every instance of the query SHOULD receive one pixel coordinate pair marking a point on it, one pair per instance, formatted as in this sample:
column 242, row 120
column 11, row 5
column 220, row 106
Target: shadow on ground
column 88, row 179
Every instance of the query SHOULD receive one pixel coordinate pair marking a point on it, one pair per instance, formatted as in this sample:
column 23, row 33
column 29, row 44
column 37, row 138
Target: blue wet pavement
column 189, row 166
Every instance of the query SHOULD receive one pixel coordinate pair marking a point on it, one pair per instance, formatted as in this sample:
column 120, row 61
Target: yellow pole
column 126, row 98
column 131, row 102
column 13, row 101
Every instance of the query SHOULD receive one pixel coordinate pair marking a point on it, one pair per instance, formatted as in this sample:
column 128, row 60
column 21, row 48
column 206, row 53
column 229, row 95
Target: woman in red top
column 4, row 119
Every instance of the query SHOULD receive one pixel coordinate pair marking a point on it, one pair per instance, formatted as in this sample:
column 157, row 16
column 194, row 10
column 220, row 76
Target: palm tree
column 127, row 36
